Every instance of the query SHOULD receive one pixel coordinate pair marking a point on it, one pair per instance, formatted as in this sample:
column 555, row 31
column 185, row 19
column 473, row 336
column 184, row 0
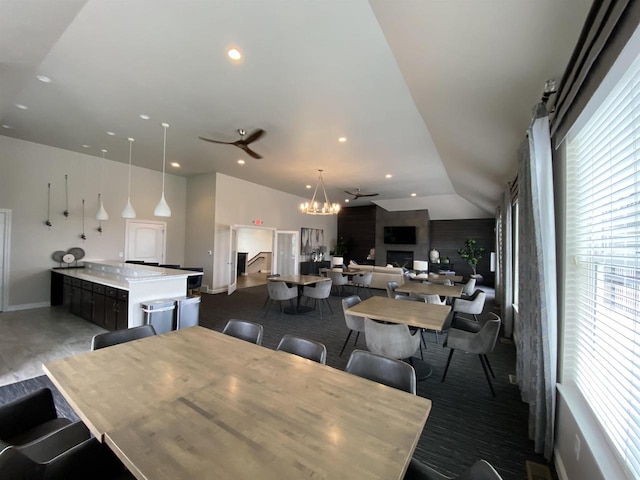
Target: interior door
column 233, row 259
column 145, row 240
column 285, row 247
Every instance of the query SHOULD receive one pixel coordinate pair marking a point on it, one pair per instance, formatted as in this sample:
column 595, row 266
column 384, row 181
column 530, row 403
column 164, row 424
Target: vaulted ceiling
column 437, row 94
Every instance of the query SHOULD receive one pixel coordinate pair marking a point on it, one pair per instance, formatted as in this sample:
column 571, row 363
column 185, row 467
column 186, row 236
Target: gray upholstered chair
column 481, row 470
column 411, row 298
column 319, row 291
column 363, row 281
column 472, row 305
column 109, row 339
column 338, row 280
column 269, row 277
column 244, row 330
column 304, row 347
column 393, row 340
column 391, row 289
column 469, row 287
column 354, row 322
column 29, row 418
column 481, row 342
column 381, row 369
column 279, row 292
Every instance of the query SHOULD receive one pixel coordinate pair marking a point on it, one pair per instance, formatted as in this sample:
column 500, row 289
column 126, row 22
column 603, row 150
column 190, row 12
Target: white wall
column 240, row 202
column 201, row 202
column 254, row 240
column 25, row 170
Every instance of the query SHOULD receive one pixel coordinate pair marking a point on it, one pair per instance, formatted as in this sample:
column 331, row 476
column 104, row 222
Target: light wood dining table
column 454, row 291
column 301, row 281
column 195, row 403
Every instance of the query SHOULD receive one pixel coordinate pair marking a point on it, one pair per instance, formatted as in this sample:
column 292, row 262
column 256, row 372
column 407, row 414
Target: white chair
column 279, row 292
column 363, row 280
column 319, row 291
column 391, row 289
column 354, row 322
column 472, row 305
column 469, row 287
column 338, row 280
column 393, row 340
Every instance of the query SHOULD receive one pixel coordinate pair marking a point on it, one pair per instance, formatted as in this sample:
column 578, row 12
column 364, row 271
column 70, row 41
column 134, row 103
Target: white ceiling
column 436, row 93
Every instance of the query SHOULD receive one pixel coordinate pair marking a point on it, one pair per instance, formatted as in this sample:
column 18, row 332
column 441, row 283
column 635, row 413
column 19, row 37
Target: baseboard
column 217, row 290
column 557, row 461
column 27, row 306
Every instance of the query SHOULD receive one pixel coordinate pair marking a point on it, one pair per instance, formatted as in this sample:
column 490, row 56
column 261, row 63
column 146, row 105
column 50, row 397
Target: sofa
column 381, row 275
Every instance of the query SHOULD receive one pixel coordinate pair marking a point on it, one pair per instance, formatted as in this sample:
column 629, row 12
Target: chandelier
column 314, row 207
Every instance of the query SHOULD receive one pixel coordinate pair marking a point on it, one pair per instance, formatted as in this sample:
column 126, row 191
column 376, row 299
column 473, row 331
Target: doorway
column 5, row 235
column 145, row 240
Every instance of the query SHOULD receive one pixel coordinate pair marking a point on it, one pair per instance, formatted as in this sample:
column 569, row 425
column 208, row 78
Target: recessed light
column 8, row 127
column 234, row 54
column 85, row 146
column 144, row 116
column 307, row 186
column 241, row 162
column 104, row 150
column 21, row 106
column 342, row 139
column 388, row 175
column 346, row 200
column 413, row 194
column 43, row 78
column 110, row 133
column 175, row 164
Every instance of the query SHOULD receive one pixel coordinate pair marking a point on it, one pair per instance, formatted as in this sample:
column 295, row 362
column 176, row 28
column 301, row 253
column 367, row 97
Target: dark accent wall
column 357, row 225
column 407, row 218
column 447, row 236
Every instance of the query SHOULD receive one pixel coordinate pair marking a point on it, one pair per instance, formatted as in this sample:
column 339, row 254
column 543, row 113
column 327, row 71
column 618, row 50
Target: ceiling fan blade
column 367, row 194
column 249, row 151
column 348, row 192
column 256, row 135
column 215, row 141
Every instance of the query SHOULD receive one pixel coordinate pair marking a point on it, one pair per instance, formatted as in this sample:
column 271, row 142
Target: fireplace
column 398, row 258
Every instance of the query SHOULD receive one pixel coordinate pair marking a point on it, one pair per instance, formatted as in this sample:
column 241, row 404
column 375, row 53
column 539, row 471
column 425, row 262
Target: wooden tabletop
column 415, row 314
column 300, row 279
column 431, row 289
column 439, row 278
column 198, row 404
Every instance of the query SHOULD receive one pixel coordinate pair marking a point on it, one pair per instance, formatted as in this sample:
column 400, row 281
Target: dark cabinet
column 86, row 302
column 76, row 296
column 99, row 303
column 313, row 268
column 57, row 289
column 66, row 292
column 116, row 314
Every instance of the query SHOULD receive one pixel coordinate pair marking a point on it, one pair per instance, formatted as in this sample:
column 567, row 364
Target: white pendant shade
column 162, row 209
column 128, row 211
column 102, row 213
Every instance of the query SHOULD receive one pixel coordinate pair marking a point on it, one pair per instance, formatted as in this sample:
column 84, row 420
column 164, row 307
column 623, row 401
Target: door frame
column 233, row 277
column 152, row 222
column 5, row 244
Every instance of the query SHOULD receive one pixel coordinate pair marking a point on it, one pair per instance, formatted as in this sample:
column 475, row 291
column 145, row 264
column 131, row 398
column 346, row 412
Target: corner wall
column 200, row 224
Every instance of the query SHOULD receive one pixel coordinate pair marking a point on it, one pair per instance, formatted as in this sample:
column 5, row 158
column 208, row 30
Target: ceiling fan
column 358, row 195
column 243, row 143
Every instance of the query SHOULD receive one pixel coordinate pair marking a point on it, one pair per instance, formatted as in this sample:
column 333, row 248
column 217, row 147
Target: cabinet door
column 57, row 283
column 86, row 303
column 67, row 291
column 76, row 299
column 123, row 309
column 111, row 313
column 99, row 308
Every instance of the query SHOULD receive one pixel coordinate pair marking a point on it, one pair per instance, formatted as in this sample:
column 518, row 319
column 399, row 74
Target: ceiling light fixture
column 21, row 106
column 413, row 194
column 8, row 127
column 102, row 213
column 241, row 162
column 128, row 211
column 314, row 207
column 342, row 139
column 43, row 78
column 175, row 164
column 162, row 209
column 111, row 134
column 85, row 146
column 144, row 116
column 388, row 175
column 234, row 54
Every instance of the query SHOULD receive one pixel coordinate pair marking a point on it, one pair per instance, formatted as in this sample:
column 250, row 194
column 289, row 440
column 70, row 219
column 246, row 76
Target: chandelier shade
column 316, row 206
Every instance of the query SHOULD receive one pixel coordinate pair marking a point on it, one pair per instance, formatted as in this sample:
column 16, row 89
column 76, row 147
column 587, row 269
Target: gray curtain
column 505, row 263
column 536, row 340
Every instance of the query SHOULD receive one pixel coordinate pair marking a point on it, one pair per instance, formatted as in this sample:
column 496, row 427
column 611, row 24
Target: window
column 514, row 210
column 602, row 305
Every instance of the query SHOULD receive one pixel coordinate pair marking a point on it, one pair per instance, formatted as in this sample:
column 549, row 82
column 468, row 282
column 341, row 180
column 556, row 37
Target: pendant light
column 102, row 213
column 317, row 206
column 128, row 211
column 162, row 209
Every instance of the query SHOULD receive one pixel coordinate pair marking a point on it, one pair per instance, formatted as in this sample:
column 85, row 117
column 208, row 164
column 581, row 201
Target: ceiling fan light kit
column 162, row 209
column 314, row 207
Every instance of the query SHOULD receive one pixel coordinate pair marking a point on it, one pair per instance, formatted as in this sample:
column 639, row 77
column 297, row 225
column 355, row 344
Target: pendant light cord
column 164, row 154
column 130, row 148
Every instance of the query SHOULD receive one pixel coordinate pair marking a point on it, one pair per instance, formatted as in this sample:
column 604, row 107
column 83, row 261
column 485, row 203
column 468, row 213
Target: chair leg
column 329, row 303
column 356, row 340
column 421, row 355
column 437, row 337
column 486, row 374
column 268, row 307
column 345, row 342
column 319, row 306
column 476, row 317
column 486, row 359
column 424, row 342
column 265, row 302
column 444, row 375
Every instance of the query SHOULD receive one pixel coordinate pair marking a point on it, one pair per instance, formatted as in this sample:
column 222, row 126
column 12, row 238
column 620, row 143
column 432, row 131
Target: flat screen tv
column 400, row 235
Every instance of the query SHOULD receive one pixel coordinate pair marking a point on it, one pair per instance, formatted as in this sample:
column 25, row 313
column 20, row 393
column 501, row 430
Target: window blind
column 602, row 305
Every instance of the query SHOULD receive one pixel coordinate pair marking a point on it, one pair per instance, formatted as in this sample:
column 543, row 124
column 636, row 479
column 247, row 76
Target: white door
column 233, row 260
column 285, row 248
column 145, row 240
column 5, row 218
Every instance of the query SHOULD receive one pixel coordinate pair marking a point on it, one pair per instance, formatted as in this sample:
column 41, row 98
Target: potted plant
column 471, row 253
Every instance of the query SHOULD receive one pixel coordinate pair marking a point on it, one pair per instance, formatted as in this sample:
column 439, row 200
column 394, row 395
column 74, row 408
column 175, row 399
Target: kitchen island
column 110, row 293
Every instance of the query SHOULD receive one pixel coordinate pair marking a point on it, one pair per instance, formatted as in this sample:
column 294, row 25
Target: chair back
column 244, row 330
column 279, row 291
column 109, row 339
column 481, row 470
column 435, row 299
column 481, row 342
column 353, row 322
column 319, row 290
column 363, row 279
column 15, row 464
column 488, row 334
column 391, row 289
column 169, row 265
column 472, row 305
column 377, row 368
column 411, row 298
column 469, row 287
column 194, row 281
column 304, row 347
column 393, row 340
column 338, row 278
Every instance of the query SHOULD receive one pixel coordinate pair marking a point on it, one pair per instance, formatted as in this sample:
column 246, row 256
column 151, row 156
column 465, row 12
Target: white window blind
column 602, row 305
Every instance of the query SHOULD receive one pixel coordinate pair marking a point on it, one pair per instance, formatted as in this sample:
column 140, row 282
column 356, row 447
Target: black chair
column 151, row 264
column 303, row 347
column 170, row 265
column 109, row 339
column 390, row 372
column 481, row 470
column 194, row 282
column 248, row 331
column 135, row 262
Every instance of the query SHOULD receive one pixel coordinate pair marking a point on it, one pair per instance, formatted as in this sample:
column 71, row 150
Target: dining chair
column 363, row 281
column 280, row 292
column 393, row 340
column 338, row 280
column 175, row 266
column 244, row 330
column 469, row 287
column 303, row 347
column 391, row 289
column 109, row 339
column 481, row 342
column 481, row 470
column 319, row 291
column 472, row 305
column 382, row 369
column 194, row 282
column 354, row 323
column 269, row 277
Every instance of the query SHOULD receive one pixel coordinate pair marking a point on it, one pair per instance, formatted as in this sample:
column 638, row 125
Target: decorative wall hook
column 82, row 235
column 48, row 222
column 66, row 194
